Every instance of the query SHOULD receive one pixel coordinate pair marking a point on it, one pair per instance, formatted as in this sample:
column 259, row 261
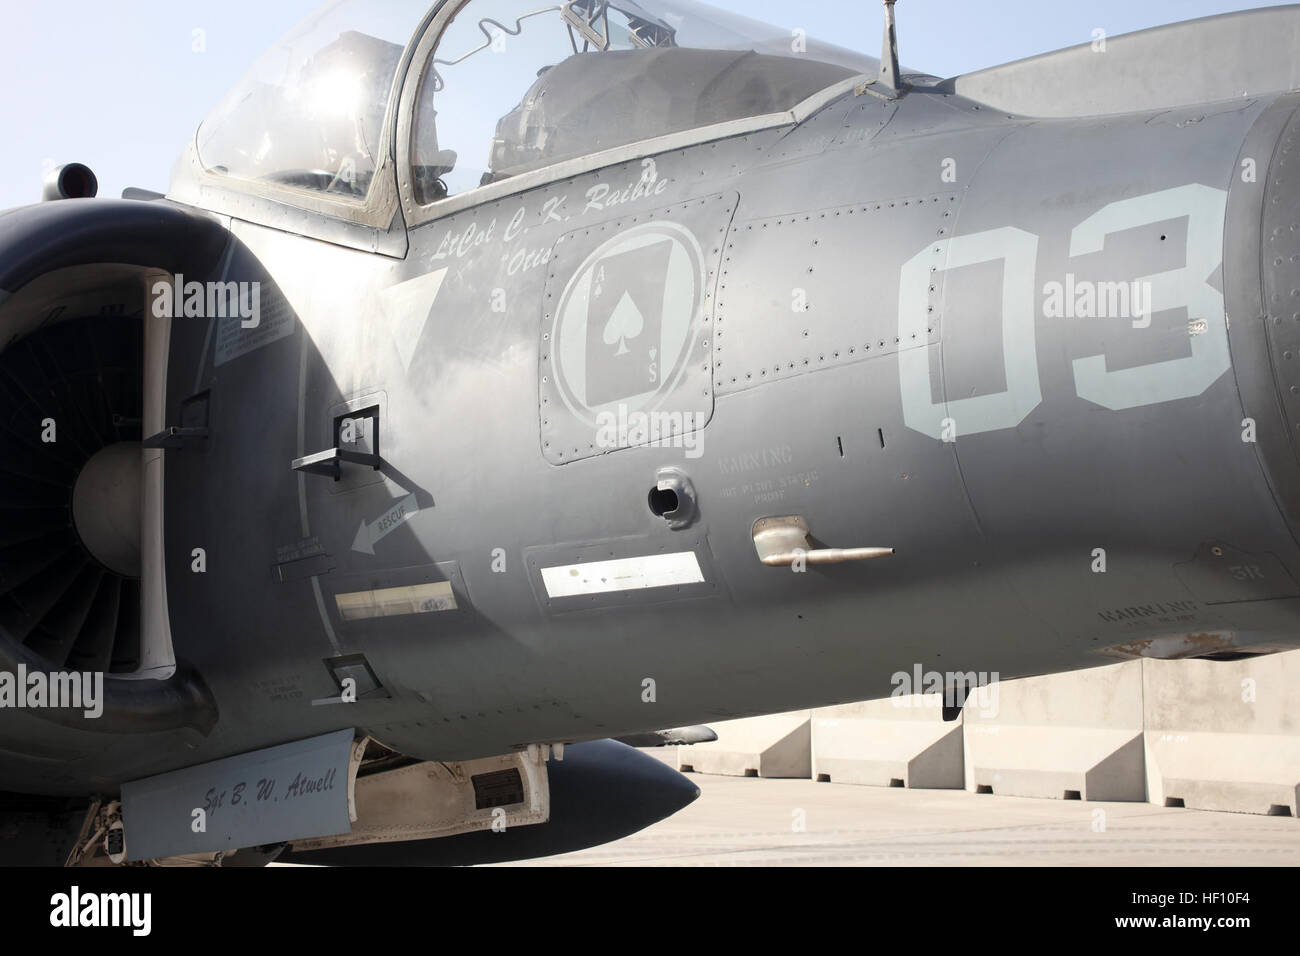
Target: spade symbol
column 626, row 322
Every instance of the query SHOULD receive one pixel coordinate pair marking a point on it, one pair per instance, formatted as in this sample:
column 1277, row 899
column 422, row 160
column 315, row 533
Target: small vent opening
column 501, row 788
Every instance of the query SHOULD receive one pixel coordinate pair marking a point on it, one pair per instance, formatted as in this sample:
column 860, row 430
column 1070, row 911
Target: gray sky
column 121, row 86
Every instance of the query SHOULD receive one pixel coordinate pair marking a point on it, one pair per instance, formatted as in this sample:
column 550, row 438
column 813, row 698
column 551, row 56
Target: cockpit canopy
column 511, row 86
column 310, row 113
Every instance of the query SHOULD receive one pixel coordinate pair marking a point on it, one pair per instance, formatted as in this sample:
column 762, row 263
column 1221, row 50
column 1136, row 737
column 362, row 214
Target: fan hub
column 106, row 507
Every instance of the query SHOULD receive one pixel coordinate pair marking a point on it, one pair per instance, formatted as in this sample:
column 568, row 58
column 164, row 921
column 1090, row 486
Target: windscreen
column 310, row 112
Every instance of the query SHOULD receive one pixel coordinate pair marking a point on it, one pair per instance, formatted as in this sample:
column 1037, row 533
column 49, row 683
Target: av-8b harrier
column 498, row 380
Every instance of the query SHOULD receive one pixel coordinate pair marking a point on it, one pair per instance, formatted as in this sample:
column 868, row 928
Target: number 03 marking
column 1204, row 208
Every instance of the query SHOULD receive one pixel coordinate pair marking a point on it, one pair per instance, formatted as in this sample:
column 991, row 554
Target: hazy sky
column 121, row 86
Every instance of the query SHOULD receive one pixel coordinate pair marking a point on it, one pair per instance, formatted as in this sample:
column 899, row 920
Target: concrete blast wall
column 1201, row 734
column 897, row 742
column 1224, row 736
column 777, row 745
column 1060, row 736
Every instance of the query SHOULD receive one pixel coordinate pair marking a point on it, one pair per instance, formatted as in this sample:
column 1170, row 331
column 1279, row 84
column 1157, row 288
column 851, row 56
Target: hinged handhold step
column 328, row 463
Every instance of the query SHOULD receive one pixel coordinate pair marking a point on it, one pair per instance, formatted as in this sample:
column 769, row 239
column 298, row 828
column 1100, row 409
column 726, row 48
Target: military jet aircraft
column 499, row 378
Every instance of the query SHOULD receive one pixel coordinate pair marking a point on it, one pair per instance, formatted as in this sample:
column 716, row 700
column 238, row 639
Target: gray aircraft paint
column 924, row 302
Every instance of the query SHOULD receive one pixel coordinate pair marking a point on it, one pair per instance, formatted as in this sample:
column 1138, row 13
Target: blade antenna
column 889, row 52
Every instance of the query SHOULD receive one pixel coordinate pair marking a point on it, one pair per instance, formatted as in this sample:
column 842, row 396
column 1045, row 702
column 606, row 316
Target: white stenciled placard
column 234, row 339
column 625, row 574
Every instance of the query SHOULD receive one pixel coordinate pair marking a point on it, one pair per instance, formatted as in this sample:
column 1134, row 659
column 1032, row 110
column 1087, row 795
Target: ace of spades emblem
column 625, row 323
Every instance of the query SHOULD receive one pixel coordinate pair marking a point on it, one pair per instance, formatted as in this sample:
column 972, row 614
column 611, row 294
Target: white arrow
column 368, row 535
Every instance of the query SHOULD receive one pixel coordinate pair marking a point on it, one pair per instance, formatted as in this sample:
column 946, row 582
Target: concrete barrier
column 1201, row 734
column 1061, row 736
column 896, row 742
column 777, row 745
column 1224, row 735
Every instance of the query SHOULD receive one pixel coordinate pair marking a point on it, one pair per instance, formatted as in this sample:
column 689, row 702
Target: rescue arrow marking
column 368, row 535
